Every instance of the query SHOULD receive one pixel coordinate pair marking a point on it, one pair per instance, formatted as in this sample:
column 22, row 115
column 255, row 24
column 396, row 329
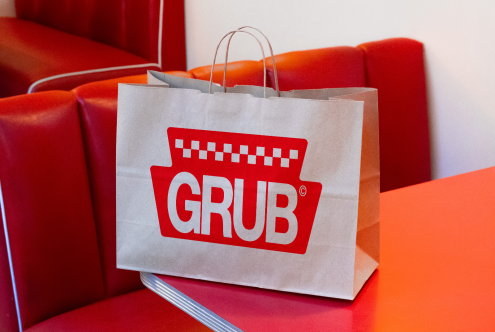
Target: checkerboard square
column 179, row 143
column 251, row 159
column 235, row 157
column 219, row 156
column 260, row 151
column 293, row 154
column 277, row 153
column 227, row 148
column 284, row 162
column 244, row 149
column 203, row 154
column 211, row 146
column 268, row 161
column 186, row 153
column 195, row 145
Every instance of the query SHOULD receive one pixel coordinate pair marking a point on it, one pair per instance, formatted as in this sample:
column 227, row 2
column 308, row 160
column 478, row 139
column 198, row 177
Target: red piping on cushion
column 89, row 72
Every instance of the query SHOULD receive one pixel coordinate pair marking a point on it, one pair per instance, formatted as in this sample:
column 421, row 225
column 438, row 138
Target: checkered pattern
column 224, row 153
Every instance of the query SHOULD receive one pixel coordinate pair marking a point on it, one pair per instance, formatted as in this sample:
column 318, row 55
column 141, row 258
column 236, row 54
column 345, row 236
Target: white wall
column 459, row 39
column 7, row 8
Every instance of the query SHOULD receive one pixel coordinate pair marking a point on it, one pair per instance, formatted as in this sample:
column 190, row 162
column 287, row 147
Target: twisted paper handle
column 231, row 34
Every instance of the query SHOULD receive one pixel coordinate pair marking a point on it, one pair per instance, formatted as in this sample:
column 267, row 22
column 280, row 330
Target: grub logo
column 236, row 189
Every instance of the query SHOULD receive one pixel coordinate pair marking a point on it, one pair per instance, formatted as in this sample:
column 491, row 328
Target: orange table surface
column 437, row 270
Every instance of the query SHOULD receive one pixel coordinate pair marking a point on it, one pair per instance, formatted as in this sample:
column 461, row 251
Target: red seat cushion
column 332, row 67
column 137, row 311
column 30, row 52
column 47, row 202
column 238, row 73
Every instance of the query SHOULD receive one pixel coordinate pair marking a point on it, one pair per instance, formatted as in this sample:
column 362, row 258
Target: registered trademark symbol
column 303, row 191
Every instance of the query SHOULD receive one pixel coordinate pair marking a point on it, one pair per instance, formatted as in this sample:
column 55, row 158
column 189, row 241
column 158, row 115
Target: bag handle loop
column 271, row 53
column 231, row 33
column 225, row 65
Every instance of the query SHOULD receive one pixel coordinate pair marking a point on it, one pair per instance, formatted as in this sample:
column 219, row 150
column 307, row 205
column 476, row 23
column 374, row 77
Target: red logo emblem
column 236, row 189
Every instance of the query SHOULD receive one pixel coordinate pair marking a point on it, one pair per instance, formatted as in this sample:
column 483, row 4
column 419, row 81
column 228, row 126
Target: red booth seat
column 393, row 66
column 56, row 253
column 57, row 184
column 59, row 44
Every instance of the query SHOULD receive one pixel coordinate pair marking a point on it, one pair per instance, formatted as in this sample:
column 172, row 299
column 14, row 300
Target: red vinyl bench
column 393, row 66
column 60, row 258
column 61, row 44
column 57, row 181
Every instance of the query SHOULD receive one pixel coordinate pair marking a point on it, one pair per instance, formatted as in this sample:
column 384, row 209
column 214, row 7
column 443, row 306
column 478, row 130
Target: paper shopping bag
column 279, row 192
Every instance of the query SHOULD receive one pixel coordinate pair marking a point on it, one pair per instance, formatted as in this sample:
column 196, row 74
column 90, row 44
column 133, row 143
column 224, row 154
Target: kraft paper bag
column 249, row 188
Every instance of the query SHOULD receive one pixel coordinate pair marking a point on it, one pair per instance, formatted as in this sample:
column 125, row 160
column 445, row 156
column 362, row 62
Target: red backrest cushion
column 332, row 67
column 98, row 109
column 238, row 73
column 48, row 209
column 173, row 36
column 131, row 25
column 396, row 68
